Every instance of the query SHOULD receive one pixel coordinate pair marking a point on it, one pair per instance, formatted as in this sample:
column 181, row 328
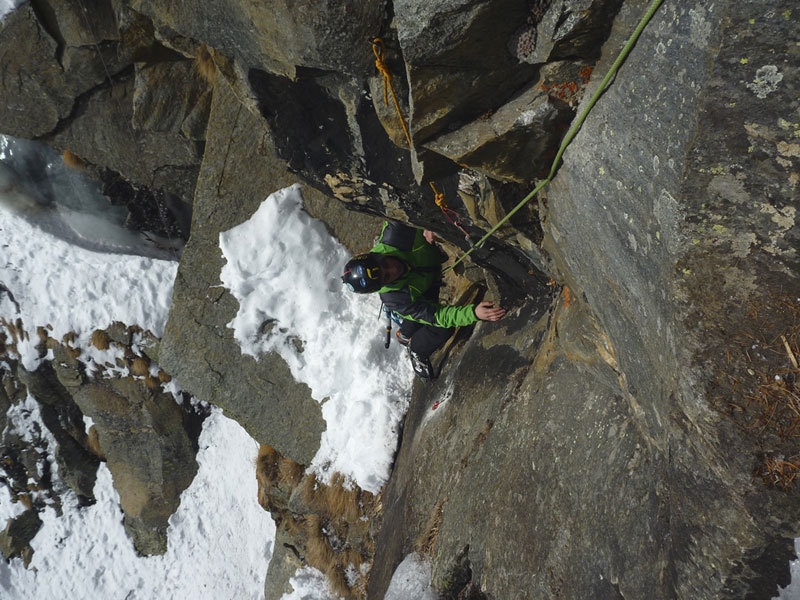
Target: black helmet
column 362, row 273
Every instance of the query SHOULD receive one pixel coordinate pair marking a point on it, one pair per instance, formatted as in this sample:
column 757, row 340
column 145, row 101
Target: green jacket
column 415, row 296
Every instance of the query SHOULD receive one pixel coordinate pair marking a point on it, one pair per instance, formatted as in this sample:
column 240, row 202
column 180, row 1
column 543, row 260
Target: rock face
column 626, row 432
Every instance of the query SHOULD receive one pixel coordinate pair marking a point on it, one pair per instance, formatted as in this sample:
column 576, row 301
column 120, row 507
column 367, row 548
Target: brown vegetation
column 759, row 387
column 15, row 329
column 140, row 366
column 100, row 339
column 427, row 539
column 327, row 521
column 779, row 471
column 289, row 471
column 328, row 552
column 204, row 63
column 73, row 161
column 93, row 443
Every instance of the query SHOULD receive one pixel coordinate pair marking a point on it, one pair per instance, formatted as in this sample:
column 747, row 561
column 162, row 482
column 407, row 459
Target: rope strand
column 379, row 50
column 573, row 131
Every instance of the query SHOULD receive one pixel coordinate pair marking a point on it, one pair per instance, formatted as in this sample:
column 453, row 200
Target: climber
column 405, row 268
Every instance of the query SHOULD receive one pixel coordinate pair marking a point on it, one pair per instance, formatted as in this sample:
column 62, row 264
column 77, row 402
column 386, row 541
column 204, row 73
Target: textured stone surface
column 19, row 531
column 150, row 444
column 278, row 36
column 77, row 467
column 613, row 442
column 198, row 347
column 36, row 82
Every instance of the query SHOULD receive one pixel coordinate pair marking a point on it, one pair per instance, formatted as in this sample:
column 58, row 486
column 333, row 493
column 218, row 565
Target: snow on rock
column 411, row 580
column 51, row 283
column 220, row 539
column 285, row 269
column 309, row 584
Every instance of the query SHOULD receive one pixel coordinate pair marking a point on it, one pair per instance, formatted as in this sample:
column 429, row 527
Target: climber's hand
column 487, row 311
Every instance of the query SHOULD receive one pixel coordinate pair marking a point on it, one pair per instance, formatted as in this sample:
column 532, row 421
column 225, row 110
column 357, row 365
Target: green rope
column 573, row 131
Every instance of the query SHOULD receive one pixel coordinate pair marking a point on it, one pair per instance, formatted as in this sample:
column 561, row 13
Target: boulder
column 240, row 171
column 16, row 537
column 149, row 442
column 457, row 62
column 77, row 466
column 52, row 55
column 28, row 54
column 515, row 141
column 657, row 461
column 102, row 133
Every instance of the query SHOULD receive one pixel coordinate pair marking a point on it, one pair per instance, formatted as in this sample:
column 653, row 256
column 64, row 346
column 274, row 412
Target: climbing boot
column 422, row 365
column 401, row 339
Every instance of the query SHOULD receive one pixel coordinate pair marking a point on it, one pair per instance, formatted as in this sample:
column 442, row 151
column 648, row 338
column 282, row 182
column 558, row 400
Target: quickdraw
column 573, row 131
column 449, row 213
column 379, row 50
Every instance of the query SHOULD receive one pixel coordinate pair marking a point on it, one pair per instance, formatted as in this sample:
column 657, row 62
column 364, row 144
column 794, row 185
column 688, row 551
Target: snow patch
column 285, row 270
column 411, row 580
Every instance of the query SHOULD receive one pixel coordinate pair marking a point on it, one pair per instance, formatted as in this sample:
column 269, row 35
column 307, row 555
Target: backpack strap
column 399, row 235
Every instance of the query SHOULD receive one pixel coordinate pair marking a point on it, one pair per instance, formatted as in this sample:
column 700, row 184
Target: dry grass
column 340, row 500
column 289, row 471
column 140, row 366
column 93, row 443
column 15, row 330
column 759, row 386
column 335, row 500
column 308, row 490
column 26, row 500
column 73, row 161
column 427, row 540
column 769, row 383
column 67, row 341
column 100, row 339
column 318, row 551
column 294, row 526
column 164, row 377
column 779, row 471
column 275, row 470
column 338, row 541
column 328, row 523
column 267, row 466
column 204, row 64
column 338, row 582
column 334, row 563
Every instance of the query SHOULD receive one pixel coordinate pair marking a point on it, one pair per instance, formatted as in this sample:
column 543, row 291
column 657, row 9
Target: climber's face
column 392, row 269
